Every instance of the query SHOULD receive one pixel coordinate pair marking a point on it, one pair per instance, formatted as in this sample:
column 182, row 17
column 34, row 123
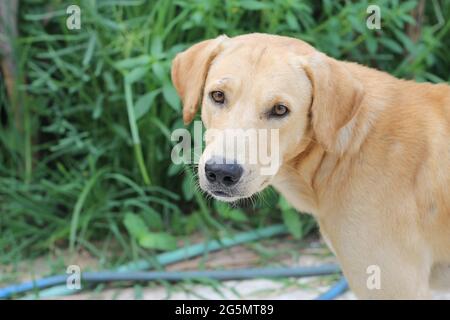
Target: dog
column 367, row 154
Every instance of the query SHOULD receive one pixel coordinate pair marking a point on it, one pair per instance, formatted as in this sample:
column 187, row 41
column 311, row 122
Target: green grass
column 92, row 143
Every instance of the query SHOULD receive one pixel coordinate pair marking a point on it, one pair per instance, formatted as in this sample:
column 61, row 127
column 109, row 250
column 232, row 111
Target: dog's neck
column 301, row 180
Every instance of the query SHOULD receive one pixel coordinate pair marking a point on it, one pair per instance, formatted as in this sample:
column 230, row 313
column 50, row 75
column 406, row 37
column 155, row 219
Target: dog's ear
column 189, row 71
column 336, row 101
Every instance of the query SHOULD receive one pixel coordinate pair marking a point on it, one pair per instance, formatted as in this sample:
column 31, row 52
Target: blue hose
column 32, row 285
column 221, row 275
column 336, row 290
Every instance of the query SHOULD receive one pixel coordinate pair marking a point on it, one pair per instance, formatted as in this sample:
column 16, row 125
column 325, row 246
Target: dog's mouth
column 232, row 195
column 227, row 196
column 221, row 193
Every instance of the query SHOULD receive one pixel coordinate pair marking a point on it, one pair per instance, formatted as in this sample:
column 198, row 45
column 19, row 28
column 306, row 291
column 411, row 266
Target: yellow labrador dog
column 366, row 153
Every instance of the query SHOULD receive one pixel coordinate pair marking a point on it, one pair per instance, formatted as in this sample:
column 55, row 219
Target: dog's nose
column 218, row 171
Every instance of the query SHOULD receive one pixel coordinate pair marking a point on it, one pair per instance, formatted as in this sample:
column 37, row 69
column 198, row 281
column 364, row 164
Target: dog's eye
column 279, row 110
column 218, row 96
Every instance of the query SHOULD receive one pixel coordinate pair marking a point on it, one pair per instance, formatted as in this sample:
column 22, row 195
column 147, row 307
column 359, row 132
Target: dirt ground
column 279, row 252
column 286, row 253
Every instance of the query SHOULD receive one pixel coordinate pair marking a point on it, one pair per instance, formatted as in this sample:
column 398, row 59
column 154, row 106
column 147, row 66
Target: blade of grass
column 79, row 206
column 135, row 133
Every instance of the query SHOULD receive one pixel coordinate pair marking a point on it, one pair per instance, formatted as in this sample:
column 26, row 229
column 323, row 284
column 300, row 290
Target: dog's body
column 367, row 154
column 388, row 204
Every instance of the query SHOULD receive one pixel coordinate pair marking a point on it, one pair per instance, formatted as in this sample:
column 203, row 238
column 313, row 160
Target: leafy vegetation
column 85, row 150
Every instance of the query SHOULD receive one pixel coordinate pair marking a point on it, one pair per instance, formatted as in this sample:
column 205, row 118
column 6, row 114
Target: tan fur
column 366, row 153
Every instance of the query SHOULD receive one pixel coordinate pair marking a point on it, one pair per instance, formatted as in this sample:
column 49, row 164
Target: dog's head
column 264, row 100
